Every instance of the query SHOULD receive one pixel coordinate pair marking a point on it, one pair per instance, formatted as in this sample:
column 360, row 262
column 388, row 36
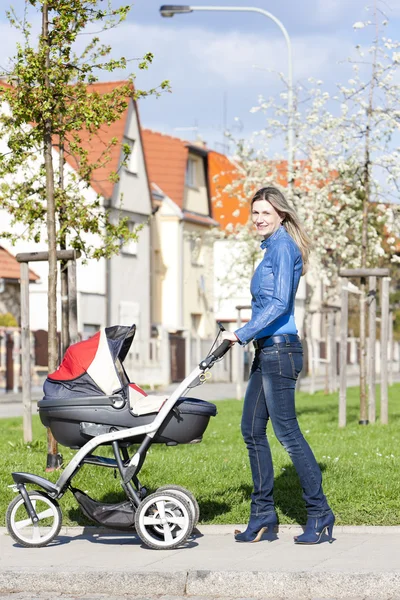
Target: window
column 133, row 159
column 191, row 172
column 195, row 323
column 131, row 246
column 89, row 329
column 196, row 254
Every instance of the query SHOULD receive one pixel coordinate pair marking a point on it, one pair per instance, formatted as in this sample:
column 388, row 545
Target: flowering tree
column 347, row 167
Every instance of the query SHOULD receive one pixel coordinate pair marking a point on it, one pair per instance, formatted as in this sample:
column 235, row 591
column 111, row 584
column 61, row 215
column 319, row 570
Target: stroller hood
column 96, row 362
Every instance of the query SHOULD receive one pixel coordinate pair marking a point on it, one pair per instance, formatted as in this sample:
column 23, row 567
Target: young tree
column 51, row 104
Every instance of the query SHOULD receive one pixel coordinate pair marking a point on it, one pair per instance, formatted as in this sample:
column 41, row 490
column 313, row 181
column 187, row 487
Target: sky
column 218, row 63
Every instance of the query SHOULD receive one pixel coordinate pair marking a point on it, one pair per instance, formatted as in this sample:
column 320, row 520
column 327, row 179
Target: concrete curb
column 206, row 584
column 297, row 585
column 99, row 581
column 228, row 530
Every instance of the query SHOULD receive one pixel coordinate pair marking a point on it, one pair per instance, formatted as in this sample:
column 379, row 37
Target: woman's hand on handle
column 230, row 336
column 228, row 339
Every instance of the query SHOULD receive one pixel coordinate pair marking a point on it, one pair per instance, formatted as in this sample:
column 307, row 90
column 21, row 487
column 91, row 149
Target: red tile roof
column 227, row 207
column 166, row 159
column 96, row 144
column 10, row 268
column 192, row 217
column 233, row 207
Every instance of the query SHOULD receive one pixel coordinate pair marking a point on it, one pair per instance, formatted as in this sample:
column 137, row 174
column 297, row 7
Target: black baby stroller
column 90, row 402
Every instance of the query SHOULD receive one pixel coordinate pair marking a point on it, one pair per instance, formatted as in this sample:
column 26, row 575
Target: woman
column 277, row 364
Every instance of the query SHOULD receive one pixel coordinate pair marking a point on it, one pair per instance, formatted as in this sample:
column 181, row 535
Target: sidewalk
column 221, row 391
column 362, row 562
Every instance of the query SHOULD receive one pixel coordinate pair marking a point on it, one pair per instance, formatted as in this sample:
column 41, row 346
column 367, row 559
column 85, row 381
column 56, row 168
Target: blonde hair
column 291, row 221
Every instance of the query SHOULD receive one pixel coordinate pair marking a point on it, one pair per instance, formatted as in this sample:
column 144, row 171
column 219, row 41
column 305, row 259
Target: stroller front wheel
column 20, row 525
column 164, row 520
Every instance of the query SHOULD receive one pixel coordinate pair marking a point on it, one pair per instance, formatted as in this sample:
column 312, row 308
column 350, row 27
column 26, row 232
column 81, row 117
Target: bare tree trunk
column 52, row 242
column 344, row 315
column 363, row 355
column 65, row 341
column 371, row 353
column 364, row 241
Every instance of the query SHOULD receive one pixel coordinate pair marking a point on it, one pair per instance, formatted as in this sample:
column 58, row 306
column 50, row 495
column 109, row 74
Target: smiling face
column 265, row 218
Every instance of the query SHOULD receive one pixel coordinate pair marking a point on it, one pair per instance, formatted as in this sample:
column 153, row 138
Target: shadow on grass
column 322, row 409
column 288, row 494
column 288, row 497
column 211, row 508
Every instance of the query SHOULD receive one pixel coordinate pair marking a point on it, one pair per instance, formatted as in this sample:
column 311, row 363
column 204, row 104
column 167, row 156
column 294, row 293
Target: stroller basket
column 120, row 515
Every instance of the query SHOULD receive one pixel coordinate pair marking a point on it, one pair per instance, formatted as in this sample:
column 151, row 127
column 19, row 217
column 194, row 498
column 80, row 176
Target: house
column 117, row 290
column 182, row 244
column 9, row 284
column 120, row 300
column 9, row 318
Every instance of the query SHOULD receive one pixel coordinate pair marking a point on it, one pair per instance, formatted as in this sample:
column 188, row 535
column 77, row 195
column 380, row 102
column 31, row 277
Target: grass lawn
column 360, row 465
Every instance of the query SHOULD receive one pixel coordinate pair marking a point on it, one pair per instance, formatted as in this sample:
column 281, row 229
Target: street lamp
column 169, row 10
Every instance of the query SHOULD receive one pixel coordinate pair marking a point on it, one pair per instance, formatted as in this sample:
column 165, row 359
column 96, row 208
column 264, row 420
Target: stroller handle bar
column 218, row 353
column 222, row 349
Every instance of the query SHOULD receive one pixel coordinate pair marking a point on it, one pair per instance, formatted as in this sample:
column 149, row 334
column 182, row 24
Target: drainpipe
column 107, row 206
column 108, row 292
column 181, row 282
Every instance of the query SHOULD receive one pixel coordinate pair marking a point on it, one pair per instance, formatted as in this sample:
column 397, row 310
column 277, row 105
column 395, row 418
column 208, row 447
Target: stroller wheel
column 21, row 527
column 188, row 496
column 163, row 520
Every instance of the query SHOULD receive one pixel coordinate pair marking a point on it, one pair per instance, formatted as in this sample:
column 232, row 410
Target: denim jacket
column 273, row 289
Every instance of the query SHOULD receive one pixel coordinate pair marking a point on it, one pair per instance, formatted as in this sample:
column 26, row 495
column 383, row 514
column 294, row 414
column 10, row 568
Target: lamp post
column 169, row 10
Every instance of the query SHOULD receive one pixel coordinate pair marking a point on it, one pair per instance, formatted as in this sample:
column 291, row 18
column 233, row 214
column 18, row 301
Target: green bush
column 8, row 320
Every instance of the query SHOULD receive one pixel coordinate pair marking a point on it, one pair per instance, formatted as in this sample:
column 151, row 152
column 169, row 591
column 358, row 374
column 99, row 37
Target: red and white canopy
column 100, row 357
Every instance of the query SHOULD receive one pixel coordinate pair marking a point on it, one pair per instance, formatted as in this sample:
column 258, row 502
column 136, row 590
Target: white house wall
column 132, row 189
column 226, row 301
column 171, row 238
column 128, row 288
column 198, row 281
column 225, row 307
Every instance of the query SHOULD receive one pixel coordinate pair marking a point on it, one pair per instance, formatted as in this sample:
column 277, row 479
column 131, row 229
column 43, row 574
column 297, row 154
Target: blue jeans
column 270, row 395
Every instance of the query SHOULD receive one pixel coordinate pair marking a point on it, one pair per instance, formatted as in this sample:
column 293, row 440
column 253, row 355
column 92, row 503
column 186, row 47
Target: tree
column 51, row 103
column 347, row 168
